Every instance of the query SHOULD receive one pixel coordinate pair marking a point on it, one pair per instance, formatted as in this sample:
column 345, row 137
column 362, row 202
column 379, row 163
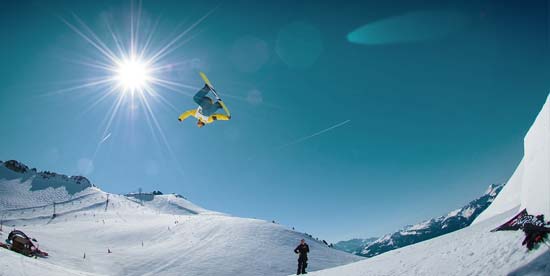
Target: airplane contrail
column 105, row 138
column 99, row 145
column 313, row 135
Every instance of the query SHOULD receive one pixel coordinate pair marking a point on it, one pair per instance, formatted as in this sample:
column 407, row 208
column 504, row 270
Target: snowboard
column 209, row 84
column 207, row 81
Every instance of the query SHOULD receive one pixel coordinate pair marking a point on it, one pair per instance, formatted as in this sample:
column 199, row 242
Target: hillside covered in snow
column 475, row 250
column 78, row 225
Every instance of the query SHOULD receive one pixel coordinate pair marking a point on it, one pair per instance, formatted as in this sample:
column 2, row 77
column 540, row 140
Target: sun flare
column 130, row 70
column 133, row 74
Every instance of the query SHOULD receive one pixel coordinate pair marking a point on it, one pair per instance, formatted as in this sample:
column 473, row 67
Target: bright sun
column 132, row 74
column 132, row 67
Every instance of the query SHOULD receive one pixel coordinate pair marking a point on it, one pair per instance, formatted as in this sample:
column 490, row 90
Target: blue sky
column 435, row 109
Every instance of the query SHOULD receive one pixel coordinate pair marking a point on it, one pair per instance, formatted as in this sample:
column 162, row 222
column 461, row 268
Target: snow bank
column 529, row 186
column 535, row 194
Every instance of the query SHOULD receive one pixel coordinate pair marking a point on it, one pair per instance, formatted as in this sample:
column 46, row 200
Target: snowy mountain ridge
column 353, row 246
column 23, row 187
column 428, row 229
column 21, row 168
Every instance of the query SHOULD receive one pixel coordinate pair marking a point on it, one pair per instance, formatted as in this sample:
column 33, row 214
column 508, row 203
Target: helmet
column 200, row 123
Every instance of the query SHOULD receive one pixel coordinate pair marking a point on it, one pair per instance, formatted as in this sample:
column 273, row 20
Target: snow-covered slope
column 474, row 250
column 14, row 264
column 23, row 187
column 435, row 227
column 469, row 251
column 172, row 204
column 167, row 235
column 529, row 186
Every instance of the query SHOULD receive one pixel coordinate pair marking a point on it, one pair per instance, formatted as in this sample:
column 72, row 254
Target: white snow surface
column 14, row 264
column 529, row 186
column 168, row 235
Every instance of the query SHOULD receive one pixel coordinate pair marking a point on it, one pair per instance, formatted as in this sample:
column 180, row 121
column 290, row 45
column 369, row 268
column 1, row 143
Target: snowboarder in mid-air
column 206, row 112
column 302, row 249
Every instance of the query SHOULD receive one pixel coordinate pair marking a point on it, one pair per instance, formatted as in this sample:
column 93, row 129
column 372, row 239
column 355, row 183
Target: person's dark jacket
column 535, row 230
column 302, row 249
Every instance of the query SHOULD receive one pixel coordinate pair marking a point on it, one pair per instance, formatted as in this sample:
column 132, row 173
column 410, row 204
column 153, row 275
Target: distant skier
column 302, row 249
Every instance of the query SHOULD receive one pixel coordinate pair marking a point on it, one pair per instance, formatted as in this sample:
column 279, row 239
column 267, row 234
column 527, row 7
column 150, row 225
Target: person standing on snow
column 302, row 249
column 535, row 230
